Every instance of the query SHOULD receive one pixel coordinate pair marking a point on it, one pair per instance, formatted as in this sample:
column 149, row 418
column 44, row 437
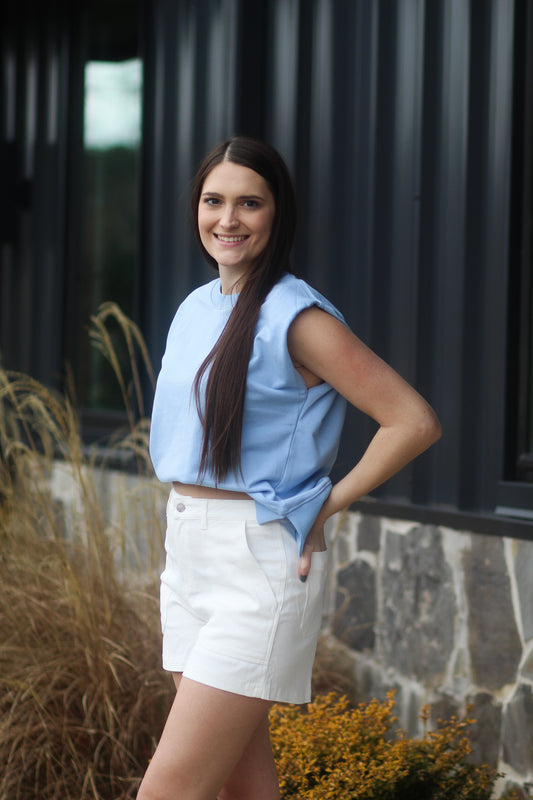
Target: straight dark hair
column 226, row 366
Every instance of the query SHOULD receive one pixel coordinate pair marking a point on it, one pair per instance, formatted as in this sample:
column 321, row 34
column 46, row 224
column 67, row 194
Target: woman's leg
column 255, row 777
column 204, row 739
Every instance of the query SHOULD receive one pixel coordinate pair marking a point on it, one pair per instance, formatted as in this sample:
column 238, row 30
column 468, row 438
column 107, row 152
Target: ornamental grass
column 83, row 698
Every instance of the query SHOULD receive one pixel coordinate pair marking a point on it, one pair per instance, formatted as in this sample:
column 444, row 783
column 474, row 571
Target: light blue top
column 290, row 433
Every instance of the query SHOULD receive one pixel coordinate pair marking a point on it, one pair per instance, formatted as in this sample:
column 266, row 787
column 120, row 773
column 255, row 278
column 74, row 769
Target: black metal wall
column 395, row 117
column 34, row 66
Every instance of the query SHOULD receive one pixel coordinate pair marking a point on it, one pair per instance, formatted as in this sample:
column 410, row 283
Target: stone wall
column 444, row 617
column 130, row 508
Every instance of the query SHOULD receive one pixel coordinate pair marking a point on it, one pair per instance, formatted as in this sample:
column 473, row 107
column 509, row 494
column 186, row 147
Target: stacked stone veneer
column 443, row 617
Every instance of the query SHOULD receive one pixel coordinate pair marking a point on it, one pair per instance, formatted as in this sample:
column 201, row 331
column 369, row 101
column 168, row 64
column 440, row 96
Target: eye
column 250, row 204
column 211, row 201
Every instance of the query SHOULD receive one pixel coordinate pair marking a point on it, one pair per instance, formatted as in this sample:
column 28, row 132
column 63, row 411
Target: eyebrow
column 241, row 197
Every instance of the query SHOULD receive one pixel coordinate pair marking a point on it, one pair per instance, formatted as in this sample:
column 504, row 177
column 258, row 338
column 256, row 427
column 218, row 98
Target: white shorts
column 234, row 614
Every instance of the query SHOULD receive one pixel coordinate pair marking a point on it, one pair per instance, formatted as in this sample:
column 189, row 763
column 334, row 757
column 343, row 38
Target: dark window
column 104, row 188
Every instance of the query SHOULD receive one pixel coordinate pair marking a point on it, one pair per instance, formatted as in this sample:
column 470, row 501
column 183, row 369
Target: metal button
column 180, row 507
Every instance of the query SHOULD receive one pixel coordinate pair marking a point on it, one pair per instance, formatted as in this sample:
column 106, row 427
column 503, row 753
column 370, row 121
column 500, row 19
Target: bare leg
column 204, row 740
column 255, row 777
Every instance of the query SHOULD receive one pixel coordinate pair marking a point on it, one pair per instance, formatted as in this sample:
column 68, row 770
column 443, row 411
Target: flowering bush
column 332, row 751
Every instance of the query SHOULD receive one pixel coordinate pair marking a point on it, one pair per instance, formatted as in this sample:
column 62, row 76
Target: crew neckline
column 221, row 300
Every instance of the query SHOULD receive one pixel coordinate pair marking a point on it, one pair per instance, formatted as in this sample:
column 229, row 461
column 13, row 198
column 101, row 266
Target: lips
column 230, row 239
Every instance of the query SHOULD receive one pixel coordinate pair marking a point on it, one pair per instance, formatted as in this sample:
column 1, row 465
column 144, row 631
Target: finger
column 305, row 564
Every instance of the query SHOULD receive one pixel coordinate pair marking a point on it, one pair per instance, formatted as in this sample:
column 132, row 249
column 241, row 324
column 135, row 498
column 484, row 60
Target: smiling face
column 235, row 216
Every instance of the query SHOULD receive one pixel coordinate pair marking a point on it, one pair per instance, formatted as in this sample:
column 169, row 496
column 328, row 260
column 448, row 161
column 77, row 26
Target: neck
column 231, row 282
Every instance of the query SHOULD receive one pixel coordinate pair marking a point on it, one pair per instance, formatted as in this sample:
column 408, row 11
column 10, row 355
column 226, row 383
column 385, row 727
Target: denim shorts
column 234, row 614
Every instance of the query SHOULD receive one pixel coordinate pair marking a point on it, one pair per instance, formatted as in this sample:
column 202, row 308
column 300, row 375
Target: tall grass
column 82, row 694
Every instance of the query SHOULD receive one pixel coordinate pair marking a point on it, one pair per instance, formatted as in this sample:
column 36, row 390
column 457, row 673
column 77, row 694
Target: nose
column 228, row 219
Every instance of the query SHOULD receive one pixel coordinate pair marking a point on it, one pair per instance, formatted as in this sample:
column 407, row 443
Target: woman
column 247, row 418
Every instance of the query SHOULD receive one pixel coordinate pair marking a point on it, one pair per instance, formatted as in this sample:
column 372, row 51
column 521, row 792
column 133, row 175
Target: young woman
column 246, row 422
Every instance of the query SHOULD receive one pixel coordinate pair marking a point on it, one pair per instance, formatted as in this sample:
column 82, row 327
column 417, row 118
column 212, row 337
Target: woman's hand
column 315, row 542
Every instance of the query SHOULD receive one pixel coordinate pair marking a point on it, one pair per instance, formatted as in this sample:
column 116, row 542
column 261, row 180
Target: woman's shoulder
column 200, row 297
column 293, row 293
column 194, row 307
column 202, row 293
column 290, row 288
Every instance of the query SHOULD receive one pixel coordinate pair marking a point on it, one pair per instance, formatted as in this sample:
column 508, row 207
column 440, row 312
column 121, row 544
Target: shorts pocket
column 315, row 587
column 266, row 558
column 246, row 591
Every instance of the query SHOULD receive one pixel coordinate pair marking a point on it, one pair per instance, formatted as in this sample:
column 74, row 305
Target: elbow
column 430, row 429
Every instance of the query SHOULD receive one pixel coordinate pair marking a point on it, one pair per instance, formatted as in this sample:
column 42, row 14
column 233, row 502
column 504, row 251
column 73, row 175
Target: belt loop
column 205, row 509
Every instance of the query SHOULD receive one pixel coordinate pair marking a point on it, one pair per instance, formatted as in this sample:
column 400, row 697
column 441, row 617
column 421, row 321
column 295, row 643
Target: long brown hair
column 226, row 365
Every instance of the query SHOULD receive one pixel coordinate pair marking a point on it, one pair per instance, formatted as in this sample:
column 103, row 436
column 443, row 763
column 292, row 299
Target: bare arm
column 325, row 348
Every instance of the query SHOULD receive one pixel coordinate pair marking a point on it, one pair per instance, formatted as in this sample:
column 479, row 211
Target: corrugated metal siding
column 34, row 86
column 395, row 117
column 189, row 102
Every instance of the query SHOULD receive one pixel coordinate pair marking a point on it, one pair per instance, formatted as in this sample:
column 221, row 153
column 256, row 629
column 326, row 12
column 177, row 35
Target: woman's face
column 235, row 216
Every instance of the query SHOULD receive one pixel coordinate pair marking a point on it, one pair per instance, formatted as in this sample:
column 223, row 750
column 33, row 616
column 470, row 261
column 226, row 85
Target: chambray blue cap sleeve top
column 290, row 434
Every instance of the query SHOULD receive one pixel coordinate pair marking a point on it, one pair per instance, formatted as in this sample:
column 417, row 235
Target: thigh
column 206, row 734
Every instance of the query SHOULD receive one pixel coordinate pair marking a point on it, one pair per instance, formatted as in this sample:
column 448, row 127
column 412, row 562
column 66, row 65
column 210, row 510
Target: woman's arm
column 327, row 349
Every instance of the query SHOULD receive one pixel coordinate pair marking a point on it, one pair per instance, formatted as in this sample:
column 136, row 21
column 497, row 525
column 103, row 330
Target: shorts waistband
column 211, row 507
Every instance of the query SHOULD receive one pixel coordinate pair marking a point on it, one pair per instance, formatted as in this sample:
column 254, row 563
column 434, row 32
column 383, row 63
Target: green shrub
column 333, row 751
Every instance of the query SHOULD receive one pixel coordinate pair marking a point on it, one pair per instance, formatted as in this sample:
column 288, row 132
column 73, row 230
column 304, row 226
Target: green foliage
column 334, row 751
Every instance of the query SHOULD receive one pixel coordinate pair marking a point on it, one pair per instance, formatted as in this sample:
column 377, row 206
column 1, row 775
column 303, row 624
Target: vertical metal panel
column 492, row 292
column 168, row 144
column 405, row 185
column 34, row 78
column 319, row 215
column 217, row 43
column 282, row 80
column 250, row 54
column 10, row 177
column 396, row 299
column 444, row 195
column 356, row 171
column 351, row 274
column 189, row 106
column 486, row 265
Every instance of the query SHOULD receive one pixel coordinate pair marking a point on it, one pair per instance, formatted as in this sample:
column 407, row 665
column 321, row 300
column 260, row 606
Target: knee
column 148, row 791
column 246, row 793
column 145, row 793
column 234, row 794
column 155, row 788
